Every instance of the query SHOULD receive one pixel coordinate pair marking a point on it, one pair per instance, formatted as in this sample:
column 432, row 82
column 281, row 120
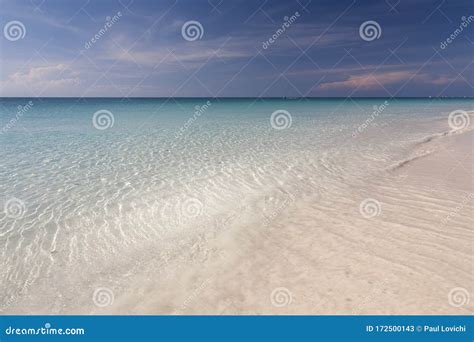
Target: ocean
column 96, row 190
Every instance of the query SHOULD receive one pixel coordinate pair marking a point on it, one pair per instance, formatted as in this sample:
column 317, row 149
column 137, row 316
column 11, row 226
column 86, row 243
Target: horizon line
column 238, row 97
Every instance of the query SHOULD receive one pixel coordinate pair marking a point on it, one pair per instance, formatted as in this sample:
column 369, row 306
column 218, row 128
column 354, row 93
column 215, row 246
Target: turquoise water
column 86, row 198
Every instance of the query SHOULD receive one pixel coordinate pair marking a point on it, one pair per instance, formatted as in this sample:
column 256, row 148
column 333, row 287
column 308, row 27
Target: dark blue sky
column 320, row 51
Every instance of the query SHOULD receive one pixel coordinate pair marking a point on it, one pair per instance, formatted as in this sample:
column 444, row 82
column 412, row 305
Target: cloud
column 178, row 57
column 372, row 81
column 145, row 53
column 57, row 75
column 368, row 81
column 38, row 79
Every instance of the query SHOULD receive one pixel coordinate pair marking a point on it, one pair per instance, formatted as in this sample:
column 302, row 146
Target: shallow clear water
column 83, row 203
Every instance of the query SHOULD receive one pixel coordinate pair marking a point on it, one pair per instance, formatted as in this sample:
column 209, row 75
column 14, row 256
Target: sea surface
column 93, row 189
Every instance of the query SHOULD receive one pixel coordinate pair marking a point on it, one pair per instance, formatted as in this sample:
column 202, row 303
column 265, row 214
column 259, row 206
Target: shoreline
column 389, row 266
column 291, row 246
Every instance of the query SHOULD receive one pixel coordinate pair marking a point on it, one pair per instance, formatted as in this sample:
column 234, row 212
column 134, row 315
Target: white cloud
column 37, row 80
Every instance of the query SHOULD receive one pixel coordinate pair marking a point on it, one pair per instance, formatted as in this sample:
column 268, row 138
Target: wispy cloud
column 144, row 53
column 380, row 79
column 37, row 79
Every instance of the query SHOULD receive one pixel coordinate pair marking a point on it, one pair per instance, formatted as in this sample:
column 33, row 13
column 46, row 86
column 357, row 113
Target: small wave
column 437, row 136
column 432, row 137
column 406, row 161
column 425, row 146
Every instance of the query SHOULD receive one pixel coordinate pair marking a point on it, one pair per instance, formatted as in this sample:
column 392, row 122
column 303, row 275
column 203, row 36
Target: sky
column 238, row 48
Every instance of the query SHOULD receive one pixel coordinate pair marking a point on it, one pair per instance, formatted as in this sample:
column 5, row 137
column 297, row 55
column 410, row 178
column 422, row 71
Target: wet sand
column 315, row 255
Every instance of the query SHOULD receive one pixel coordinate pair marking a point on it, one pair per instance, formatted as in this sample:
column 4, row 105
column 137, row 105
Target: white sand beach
column 236, row 217
column 318, row 254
